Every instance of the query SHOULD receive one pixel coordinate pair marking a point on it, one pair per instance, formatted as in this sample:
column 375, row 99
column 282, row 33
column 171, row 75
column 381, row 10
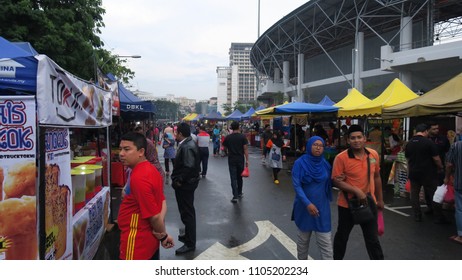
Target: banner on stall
column 58, row 194
column 113, row 86
column 89, row 225
column 65, row 100
column 18, row 202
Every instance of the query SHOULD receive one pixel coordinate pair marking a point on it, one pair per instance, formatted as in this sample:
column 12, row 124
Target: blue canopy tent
column 18, row 68
column 303, row 108
column 131, row 105
column 326, row 101
column 213, row 116
column 248, row 114
column 261, row 107
column 234, row 116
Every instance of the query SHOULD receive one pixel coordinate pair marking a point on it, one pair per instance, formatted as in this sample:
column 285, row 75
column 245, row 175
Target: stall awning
column 353, row 99
column 190, row 117
column 446, row 98
column 395, row 93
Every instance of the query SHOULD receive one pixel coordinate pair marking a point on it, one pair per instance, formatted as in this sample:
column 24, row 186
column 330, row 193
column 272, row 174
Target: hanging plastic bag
column 245, row 172
column 449, row 195
column 380, row 223
column 439, row 193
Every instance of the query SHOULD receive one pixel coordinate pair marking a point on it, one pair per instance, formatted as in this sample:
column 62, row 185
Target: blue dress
column 169, row 152
column 308, row 191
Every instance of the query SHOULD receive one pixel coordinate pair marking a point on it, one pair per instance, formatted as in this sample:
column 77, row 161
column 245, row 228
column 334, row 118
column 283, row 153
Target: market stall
column 37, row 219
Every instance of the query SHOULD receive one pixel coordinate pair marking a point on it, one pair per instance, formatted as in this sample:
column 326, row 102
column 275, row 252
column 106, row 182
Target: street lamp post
column 111, row 58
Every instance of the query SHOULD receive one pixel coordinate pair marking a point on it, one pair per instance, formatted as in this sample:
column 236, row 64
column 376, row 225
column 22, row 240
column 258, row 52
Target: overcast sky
column 183, row 41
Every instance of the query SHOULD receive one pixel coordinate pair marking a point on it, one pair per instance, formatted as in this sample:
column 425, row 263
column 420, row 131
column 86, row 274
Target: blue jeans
column 458, row 213
column 235, row 170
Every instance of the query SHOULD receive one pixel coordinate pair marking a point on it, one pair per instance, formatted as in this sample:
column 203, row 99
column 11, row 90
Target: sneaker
column 234, row 200
column 241, row 195
column 276, row 182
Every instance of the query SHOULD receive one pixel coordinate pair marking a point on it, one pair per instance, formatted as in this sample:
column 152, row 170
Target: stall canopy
column 326, row 101
column 190, row 117
column 298, row 108
column 354, row 98
column 18, row 68
column 394, row 94
column 446, row 98
column 248, row 114
column 234, row 116
column 213, row 116
column 269, row 110
column 130, row 102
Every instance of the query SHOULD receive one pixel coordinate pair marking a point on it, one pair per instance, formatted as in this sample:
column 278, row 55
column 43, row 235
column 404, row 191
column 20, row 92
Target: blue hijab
column 317, row 168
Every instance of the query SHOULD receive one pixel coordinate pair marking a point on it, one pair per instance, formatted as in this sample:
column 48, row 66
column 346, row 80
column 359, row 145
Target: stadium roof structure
column 320, row 26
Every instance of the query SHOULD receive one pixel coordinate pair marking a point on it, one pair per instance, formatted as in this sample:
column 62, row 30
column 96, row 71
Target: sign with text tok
column 18, row 210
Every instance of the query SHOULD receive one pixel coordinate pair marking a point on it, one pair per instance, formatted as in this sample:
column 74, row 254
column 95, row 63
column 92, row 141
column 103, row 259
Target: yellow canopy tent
column 446, row 98
column 395, row 93
column 190, row 117
column 354, row 98
column 265, row 114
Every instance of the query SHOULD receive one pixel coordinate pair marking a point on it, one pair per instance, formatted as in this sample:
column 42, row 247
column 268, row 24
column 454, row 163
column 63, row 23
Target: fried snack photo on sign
column 18, row 224
column 20, row 180
column 57, row 199
column 79, row 237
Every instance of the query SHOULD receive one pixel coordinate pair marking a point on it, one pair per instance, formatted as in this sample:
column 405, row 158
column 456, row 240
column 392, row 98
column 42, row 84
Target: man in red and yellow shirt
column 356, row 172
column 143, row 208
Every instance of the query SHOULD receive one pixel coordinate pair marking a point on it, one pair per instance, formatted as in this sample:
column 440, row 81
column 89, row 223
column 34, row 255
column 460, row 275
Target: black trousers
column 185, row 201
column 370, row 233
column 204, row 155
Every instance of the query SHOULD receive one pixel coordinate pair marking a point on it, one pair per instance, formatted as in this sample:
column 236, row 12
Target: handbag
column 245, row 172
column 360, row 211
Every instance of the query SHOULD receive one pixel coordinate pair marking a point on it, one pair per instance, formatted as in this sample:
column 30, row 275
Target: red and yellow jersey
column 143, row 199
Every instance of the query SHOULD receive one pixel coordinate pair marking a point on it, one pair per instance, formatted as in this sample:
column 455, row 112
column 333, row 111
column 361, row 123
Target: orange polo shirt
column 355, row 171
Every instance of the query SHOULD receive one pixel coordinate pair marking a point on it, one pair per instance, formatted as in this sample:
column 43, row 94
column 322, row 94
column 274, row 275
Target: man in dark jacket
column 185, row 178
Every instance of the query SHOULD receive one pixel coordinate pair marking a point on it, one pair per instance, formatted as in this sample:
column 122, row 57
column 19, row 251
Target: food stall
column 39, row 103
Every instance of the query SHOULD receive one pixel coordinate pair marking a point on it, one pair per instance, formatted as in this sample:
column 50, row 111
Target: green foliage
column 166, row 110
column 227, row 109
column 64, row 30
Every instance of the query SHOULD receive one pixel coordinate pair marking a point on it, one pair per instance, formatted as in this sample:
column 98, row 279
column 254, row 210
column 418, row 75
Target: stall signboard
column 113, row 86
column 65, row 100
column 18, row 188
column 89, row 226
column 58, row 194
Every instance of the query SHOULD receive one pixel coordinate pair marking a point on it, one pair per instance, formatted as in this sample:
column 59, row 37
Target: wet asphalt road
column 259, row 227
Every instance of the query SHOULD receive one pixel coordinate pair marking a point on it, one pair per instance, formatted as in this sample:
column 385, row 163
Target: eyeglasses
column 318, row 145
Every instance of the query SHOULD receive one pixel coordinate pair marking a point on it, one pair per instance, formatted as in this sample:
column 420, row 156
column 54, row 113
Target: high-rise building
column 238, row 81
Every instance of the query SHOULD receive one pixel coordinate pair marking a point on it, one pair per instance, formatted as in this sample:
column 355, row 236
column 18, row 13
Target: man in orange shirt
column 356, row 172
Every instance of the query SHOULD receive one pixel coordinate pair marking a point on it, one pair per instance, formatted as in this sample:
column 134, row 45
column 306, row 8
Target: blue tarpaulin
column 248, row 114
column 213, row 116
column 130, row 102
column 234, row 116
column 326, row 101
column 18, row 68
column 303, row 108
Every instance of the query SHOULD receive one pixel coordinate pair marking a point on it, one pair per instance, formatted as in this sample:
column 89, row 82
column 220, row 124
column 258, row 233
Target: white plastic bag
column 439, row 193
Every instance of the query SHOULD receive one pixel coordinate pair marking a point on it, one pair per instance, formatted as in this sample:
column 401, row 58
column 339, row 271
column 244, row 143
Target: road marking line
column 266, row 229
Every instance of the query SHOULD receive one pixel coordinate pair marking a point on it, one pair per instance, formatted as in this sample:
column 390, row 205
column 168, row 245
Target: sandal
column 456, row 239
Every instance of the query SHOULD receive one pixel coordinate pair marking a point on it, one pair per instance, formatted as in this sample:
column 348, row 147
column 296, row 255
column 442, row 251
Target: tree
column 227, row 109
column 166, row 110
column 64, row 30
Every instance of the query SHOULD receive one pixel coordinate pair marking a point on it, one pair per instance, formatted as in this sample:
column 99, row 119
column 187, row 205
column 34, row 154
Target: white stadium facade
column 327, row 47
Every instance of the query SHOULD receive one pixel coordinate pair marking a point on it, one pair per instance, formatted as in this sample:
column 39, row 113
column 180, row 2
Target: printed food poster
column 58, row 195
column 18, row 177
column 89, row 225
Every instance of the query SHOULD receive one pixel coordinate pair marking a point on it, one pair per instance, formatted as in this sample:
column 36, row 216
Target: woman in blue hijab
column 313, row 193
